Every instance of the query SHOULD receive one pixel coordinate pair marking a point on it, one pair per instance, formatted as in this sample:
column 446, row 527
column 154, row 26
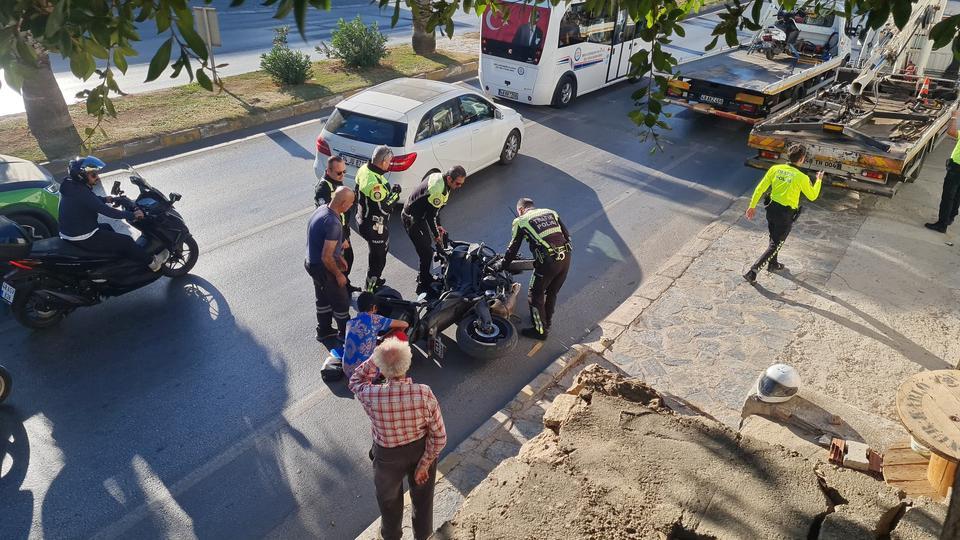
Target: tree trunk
column 424, row 42
column 47, row 114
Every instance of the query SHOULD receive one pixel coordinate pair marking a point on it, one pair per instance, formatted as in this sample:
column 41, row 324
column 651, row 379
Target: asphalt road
column 195, row 407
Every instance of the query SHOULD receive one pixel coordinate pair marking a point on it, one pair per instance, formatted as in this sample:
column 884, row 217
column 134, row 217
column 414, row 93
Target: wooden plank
column 904, row 472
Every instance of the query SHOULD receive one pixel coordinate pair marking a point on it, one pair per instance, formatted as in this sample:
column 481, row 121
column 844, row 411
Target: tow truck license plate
column 8, row 292
column 507, row 94
column 711, row 99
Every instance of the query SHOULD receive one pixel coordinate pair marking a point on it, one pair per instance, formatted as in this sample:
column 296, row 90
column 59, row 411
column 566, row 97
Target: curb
column 160, row 142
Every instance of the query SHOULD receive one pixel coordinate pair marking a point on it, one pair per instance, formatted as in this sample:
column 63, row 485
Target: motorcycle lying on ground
column 6, row 383
column 51, row 277
column 472, row 291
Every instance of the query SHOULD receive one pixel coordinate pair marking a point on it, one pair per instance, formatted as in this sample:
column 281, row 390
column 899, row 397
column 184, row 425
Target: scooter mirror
column 115, row 190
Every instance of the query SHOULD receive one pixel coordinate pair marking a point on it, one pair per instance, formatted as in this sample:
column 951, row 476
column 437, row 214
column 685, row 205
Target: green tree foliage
column 357, row 44
column 98, row 36
column 284, row 65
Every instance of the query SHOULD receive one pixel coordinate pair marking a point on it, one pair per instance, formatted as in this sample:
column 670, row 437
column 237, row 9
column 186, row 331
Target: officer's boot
column 537, row 331
column 374, row 283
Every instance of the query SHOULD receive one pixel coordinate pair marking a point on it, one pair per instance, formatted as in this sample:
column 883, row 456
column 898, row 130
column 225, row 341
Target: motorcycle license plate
column 437, row 348
column 7, row 291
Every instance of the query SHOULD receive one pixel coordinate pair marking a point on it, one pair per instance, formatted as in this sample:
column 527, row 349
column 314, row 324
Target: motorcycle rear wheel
column 182, row 260
column 482, row 346
column 30, row 310
column 6, row 384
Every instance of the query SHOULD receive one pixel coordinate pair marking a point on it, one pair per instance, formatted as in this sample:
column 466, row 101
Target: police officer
column 950, row 198
column 323, row 195
column 785, row 182
column 375, row 199
column 550, row 244
column 421, row 217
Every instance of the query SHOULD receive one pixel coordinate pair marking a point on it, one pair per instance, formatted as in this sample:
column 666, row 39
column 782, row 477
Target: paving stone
column 653, row 287
column 628, row 311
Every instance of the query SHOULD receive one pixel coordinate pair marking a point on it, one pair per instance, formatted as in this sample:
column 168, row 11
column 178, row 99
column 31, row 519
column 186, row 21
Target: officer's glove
column 396, row 189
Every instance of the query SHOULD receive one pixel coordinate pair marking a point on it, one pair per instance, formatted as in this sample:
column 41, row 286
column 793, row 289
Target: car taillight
column 402, row 163
column 876, row 175
column 323, row 147
column 766, row 154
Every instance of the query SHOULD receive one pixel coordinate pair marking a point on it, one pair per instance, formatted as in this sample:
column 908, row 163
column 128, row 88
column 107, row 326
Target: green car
column 29, row 195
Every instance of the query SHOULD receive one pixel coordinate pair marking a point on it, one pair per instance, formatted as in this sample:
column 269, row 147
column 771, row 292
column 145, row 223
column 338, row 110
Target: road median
column 174, row 116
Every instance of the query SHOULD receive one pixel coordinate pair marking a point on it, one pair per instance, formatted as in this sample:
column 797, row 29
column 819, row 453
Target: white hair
column 393, row 358
column 381, row 153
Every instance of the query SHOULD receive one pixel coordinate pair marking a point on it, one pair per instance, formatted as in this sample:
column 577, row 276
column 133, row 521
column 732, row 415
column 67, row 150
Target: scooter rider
column 421, row 217
column 323, row 195
column 375, row 199
column 79, row 208
column 549, row 242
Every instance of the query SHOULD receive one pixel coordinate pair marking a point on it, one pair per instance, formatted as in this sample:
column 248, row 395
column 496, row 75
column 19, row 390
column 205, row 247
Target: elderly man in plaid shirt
column 408, row 435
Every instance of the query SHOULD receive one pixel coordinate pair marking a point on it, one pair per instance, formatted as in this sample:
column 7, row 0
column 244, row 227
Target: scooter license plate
column 8, row 292
column 437, row 348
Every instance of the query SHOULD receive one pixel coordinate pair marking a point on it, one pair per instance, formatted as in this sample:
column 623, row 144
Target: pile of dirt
column 618, row 463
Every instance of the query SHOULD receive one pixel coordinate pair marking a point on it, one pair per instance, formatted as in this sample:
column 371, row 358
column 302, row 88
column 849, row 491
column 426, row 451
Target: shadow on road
column 132, row 409
column 14, row 462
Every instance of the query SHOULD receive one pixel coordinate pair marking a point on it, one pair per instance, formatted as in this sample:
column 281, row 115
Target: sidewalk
column 870, row 298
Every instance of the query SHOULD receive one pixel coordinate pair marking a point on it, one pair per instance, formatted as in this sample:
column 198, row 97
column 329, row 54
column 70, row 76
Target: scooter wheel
column 486, row 345
column 769, row 53
column 182, row 260
column 6, row 384
column 32, row 311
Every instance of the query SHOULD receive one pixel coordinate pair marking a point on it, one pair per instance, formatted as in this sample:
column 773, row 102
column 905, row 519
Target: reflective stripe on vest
column 523, row 222
column 437, row 194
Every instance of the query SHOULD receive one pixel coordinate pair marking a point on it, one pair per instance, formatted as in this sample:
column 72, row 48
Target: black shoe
column 936, row 226
column 775, row 267
column 323, row 335
column 751, row 276
column 351, row 288
column 533, row 334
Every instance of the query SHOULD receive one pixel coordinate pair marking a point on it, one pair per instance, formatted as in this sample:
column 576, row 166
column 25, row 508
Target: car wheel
column 511, row 147
column 35, row 228
column 565, row 93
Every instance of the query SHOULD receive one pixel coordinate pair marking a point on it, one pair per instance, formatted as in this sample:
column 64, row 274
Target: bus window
column 577, row 26
column 520, row 37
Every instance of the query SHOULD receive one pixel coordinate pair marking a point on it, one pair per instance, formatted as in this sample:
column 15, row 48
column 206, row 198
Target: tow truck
column 873, row 127
column 748, row 82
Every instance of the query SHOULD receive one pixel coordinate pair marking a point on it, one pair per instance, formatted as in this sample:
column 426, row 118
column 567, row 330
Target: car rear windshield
column 368, row 129
column 519, row 35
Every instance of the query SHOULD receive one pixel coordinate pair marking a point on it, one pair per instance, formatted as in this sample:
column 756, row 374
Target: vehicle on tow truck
column 873, row 128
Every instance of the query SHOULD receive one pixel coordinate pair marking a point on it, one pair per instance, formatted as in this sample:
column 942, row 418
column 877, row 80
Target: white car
column 430, row 126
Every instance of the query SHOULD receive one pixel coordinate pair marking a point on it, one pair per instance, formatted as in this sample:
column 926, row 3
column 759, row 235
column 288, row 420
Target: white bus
column 544, row 55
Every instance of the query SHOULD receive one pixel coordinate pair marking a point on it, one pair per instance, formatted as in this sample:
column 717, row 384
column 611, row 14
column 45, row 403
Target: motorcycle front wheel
column 182, row 259
column 486, row 344
column 6, row 383
column 32, row 311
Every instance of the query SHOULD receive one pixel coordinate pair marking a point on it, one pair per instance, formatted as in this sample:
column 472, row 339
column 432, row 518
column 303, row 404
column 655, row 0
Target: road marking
column 260, row 228
column 157, row 497
column 221, row 145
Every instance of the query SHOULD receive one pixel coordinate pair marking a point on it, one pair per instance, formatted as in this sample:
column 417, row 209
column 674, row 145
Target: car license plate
column 352, row 161
column 507, row 94
column 711, row 99
column 8, row 291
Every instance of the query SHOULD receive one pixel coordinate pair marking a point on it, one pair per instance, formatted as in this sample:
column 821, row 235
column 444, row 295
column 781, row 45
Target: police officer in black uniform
column 549, row 242
column 421, row 217
column 323, row 194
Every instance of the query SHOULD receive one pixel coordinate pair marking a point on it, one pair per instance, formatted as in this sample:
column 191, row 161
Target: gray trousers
column 390, row 466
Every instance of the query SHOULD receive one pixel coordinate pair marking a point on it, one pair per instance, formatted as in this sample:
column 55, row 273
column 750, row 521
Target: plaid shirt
column 400, row 411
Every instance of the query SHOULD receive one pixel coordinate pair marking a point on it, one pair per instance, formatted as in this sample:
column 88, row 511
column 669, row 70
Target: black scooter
column 471, row 291
column 51, row 277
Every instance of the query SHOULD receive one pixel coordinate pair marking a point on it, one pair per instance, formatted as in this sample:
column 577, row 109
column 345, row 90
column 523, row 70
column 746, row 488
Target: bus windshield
column 520, row 37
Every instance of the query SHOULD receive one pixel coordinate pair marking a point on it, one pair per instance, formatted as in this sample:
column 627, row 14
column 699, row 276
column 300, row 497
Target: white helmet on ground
column 778, row 383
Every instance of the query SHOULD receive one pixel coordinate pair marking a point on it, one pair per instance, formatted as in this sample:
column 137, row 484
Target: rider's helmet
column 778, row 384
column 80, row 166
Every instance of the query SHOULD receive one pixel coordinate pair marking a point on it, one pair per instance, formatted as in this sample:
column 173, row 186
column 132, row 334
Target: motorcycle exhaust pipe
column 68, row 299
